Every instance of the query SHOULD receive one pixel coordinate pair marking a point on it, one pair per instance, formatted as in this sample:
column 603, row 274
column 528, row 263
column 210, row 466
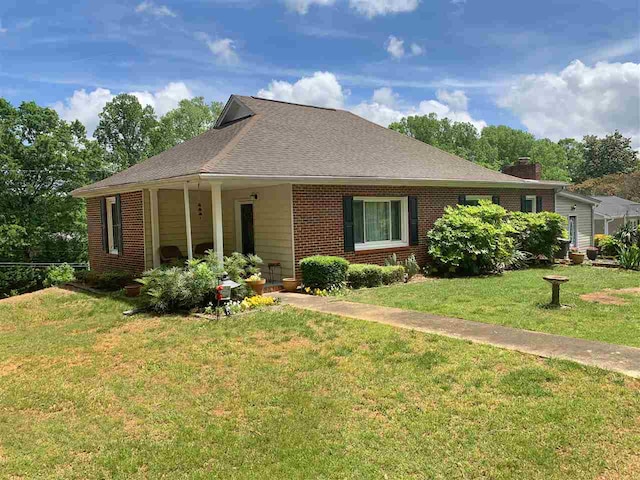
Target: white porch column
column 155, row 226
column 187, row 220
column 216, row 212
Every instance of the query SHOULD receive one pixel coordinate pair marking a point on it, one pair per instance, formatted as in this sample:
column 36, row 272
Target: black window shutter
column 117, row 234
column 523, row 203
column 496, row 199
column 347, row 213
column 538, row 204
column 413, row 220
column 103, row 224
column 462, row 199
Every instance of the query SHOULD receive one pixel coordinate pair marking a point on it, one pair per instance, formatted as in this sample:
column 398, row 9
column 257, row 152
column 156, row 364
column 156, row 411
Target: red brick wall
column 318, row 223
column 131, row 258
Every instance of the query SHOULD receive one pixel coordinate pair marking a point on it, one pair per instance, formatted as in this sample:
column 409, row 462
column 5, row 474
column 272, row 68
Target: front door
column 246, row 226
column 573, row 230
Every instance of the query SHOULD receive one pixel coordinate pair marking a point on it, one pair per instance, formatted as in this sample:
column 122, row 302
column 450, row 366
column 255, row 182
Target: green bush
column 630, row 257
column 324, row 272
column 471, row 240
column 609, row 246
column 19, row 280
column 365, row 275
column 392, row 274
column 58, row 274
column 538, row 233
column 627, row 235
column 111, row 280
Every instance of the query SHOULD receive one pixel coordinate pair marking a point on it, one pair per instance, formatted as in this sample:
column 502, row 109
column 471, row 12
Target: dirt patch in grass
column 25, row 297
column 608, row 296
column 8, row 368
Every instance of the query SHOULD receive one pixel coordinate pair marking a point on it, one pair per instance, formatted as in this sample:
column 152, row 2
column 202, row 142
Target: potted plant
column 592, row 253
column 290, row 284
column 256, row 282
column 576, row 257
column 132, row 290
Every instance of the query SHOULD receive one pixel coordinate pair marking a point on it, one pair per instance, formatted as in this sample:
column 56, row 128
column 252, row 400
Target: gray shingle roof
column 617, row 207
column 288, row 140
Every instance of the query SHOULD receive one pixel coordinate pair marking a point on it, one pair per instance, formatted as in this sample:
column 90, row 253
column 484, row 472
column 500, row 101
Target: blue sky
column 557, row 68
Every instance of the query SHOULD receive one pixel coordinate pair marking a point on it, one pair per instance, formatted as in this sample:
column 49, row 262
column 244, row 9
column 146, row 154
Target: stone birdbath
column 555, row 281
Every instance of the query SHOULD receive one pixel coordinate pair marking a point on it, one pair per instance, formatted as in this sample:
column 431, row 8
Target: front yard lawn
column 514, row 299
column 88, row 393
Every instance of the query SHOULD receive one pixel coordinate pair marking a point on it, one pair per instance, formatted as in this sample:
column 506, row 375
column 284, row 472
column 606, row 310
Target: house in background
column 286, row 181
column 580, row 213
column 613, row 212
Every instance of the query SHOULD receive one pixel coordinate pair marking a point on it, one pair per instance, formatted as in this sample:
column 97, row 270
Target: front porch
column 194, row 216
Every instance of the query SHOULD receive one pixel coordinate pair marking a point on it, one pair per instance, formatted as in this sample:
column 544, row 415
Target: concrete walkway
column 617, row 358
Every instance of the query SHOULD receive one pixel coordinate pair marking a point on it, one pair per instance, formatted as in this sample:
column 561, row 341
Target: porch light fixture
column 253, row 196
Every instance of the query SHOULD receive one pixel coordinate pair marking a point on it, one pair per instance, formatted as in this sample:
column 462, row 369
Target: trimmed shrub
column 538, row 233
column 471, row 240
column 365, row 275
column 324, row 272
column 392, row 274
column 110, row 281
column 58, row 274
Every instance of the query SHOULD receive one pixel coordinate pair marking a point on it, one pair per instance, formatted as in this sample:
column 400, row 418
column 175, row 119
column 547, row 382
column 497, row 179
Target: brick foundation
column 132, row 257
column 318, row 222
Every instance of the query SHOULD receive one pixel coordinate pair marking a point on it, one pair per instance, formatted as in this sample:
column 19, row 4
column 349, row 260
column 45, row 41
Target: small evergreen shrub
column 324, row 272
column 392, row 274
column 471, row 240
column 110, row 281
column 365, row 275
column 19, row 280
column 58, row 274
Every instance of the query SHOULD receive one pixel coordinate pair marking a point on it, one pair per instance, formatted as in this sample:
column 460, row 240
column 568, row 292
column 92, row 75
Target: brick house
column 286, row 181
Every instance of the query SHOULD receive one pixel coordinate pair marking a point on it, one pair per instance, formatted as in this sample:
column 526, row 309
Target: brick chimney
column 524, row 169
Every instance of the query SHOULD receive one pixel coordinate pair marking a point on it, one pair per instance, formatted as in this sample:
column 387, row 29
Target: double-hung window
column 530, row 204
column 113, row 225
column 380, row 222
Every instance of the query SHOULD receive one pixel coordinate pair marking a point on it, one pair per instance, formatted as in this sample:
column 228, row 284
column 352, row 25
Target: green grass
column 88, row 393
column 516, row 299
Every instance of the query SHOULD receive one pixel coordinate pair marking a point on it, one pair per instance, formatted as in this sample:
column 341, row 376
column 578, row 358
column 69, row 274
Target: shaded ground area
column 516, row 299
column 88, row 393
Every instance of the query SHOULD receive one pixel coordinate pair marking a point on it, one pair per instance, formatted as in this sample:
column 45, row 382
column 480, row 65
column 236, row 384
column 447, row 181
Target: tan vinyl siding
column 272, row 224
column 583, row 212
column 172, row 229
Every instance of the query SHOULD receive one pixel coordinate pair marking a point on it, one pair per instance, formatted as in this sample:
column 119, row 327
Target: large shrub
column 110, row 281
column 538, row 233
column 471, row 240
column 59, row 274
column 324, row 272
column 19, row 280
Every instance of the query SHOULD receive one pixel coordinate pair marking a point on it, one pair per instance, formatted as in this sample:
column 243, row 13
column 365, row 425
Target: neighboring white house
column 613, row 212
column 579, row 210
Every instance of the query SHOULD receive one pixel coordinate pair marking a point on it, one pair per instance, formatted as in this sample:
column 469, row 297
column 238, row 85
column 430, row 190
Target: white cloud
column 395, row 47
column 385, row 96
column 302, row 6
column 579, row 100
column 85, row 106
column 321, row 89
column 156, row 10
column 224, row 49
column 372, row 8
column 621, row 48
column 416, row 49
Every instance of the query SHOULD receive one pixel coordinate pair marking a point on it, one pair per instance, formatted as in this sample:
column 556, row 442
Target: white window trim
column 534, row 203
column 404, row 225
column 478, row 198
column 110, row 202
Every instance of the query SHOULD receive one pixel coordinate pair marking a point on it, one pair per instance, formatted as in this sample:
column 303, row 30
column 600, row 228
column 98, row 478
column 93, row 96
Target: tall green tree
column 574, row 151
column 191, row 118
column 552, row 158
column 42, row 159
column 510, row 143
column 608, row 155
column 125, row 131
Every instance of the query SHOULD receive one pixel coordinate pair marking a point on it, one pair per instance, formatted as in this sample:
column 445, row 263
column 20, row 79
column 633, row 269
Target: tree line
column 43, row 158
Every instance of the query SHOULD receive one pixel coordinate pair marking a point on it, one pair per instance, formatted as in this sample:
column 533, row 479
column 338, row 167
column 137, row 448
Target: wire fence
column 77, row 266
